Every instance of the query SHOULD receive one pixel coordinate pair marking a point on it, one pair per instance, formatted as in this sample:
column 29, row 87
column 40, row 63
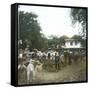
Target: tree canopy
column 79, row 38
column 80, row 15
column 29, row 30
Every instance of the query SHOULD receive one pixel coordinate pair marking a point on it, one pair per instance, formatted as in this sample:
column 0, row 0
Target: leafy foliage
column 55, row 41
column 80, row 15
column 29, row 30
column 79, row 38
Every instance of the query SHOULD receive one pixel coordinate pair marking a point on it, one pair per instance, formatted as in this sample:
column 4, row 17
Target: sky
column 53, row 21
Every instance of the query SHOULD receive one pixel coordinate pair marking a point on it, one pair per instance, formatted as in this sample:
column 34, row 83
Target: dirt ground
column 69, row 73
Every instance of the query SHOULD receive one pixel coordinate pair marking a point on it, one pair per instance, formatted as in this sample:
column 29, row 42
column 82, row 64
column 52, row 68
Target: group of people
column 28, row 71
column 30, row 62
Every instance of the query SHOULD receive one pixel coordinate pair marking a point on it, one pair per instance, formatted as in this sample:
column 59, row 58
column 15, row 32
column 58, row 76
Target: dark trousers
column 57, row 66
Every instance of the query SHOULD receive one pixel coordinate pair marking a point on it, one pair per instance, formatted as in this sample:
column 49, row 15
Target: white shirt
column 30, row 67
column 20, row 55
column 21, row 66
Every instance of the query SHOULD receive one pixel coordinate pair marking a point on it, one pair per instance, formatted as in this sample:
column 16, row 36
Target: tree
column 62, row 40
column 80, row 15
column 29, row 29
column 79, row 38
column 55, row 41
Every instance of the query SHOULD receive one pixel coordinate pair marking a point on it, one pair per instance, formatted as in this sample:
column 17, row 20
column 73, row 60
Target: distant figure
column 39, row 66
column 66, row 57
column 57, row 61
column 30, row 71
column 70, row 56
column 22, row 73
column 20, row 43
column 62, row 60
column 48, row 55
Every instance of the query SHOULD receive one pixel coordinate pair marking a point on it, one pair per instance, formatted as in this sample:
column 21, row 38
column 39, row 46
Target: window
column 71, row 43
column 76, row 42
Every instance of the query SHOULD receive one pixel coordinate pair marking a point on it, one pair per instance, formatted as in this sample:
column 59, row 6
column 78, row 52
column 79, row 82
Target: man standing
column 22, row 73
column 57, row 61
column 30, row 71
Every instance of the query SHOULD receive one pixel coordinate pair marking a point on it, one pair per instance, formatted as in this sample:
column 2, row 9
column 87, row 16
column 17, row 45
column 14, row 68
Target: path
column 75, row 72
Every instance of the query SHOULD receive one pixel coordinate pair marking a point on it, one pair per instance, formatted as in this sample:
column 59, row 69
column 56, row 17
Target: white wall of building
column 74, row 45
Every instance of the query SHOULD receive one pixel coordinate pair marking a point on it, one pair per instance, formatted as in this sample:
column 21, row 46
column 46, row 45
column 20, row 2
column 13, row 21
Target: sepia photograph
column 52, row 44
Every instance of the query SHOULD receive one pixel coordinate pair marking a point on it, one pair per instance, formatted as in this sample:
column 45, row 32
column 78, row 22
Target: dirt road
column 69, row 73
column 74, row 72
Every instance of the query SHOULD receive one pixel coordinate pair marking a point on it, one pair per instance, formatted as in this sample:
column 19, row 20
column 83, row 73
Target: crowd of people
column 31, row 62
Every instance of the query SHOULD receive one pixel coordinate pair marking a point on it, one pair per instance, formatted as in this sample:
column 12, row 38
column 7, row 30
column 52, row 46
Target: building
column 72, row 43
